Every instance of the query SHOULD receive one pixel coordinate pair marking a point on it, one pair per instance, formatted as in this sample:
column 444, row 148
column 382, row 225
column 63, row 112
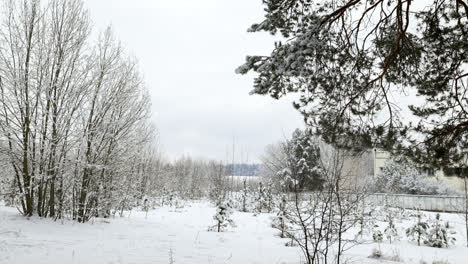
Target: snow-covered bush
column 269, row 197
column 280, row 220
column 244, row 195
column 439, row 234
column 389, row 217
column 261, row 199
column 223, row 217
column 418, row 230
column 165, row 194
column 246, row 199
column 319, row 221
column 366, row 221
column 378, row 254
column 440, row 261
column 172, row 199
column 145, row 205
column 377, row 235
column 404, row 177
column 391, row 231
column 171, row 256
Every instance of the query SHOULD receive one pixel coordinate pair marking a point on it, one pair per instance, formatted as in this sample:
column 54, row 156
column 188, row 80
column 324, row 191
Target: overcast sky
column 188, row 51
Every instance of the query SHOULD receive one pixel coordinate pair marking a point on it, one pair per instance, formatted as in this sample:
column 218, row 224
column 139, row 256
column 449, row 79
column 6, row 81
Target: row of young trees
column 74, row 112
column 192, row 178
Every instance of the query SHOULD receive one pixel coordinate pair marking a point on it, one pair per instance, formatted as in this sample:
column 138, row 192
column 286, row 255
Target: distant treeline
column 243, row 169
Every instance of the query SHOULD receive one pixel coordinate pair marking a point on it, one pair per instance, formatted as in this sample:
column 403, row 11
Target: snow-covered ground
column 409, row 251
column 182, row 234
column 136, row 239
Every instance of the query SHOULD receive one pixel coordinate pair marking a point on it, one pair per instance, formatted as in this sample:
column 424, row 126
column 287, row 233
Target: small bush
column 439, row 234
column 377, row 235
column 223, row 217
column 440, row 262
column 280, row 220
column 391, row 231
column 378, row 254
column 418, row 231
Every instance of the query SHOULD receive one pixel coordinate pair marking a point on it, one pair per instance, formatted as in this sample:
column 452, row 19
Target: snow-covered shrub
column 377, row 235
column 378, row 254
column 269, row 197
column 246, row 199
column 218, row 189
column 244, row 196
column 404, row 177
column 280, row 220
column 366, row 221
column 171, row 256
column 165, row 194
column 8, row 189
column 439, row 234
column 145, row 205
column 438, row 261
column 394, row 256
column 391, row 231
column 320, row 221
column 223, row 217
column 418, row 230
column 389, row 217
column 261, row 198
column 172, row 199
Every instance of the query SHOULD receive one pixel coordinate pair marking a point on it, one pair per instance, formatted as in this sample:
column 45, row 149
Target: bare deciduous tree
column 70, row 110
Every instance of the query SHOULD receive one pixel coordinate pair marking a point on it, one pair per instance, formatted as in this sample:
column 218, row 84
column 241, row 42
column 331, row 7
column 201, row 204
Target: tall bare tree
column 70, row 109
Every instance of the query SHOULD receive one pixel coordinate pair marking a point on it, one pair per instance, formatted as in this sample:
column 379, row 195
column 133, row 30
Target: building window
column 430, row 171
column 427, row 171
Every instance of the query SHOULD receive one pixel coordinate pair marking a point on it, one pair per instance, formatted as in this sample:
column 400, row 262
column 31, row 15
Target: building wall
column 380, row 160
column 357, row 169
column 350, row 172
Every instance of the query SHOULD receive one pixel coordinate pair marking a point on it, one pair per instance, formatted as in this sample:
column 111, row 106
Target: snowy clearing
column 151, row 239
column 135, row 239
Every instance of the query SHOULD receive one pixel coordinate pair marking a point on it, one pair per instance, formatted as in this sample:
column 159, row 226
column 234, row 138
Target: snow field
column 136, row 239
column 183, row 233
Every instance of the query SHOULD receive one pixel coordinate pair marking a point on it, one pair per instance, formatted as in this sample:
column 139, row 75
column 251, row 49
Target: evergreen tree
column 281, row 220
column 419, row 230
column 261, row 201
column 391, row 231
column 223, row 216
column 304, row 172
column 439, row 234
column 244, row 196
